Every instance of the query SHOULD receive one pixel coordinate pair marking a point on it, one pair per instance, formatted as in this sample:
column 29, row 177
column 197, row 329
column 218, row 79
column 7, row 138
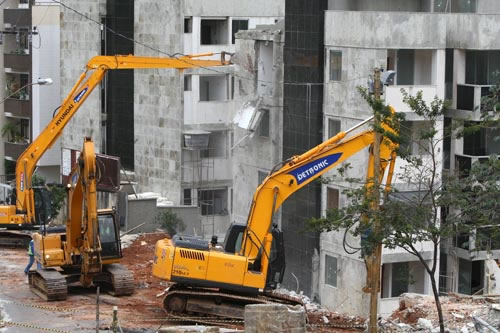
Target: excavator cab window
column 234, row 237
column 109, row 238
column 42, row 205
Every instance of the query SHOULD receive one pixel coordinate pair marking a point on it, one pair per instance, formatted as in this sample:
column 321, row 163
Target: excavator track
column 14, row 239
column 119, row 279
column 49, row 284
column 181, row 300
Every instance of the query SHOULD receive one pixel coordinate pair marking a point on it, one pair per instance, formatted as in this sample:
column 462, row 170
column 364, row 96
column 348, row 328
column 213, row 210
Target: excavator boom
column 23, row 212
column 252, row 260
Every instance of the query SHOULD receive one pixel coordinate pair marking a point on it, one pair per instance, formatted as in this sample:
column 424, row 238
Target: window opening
column 331, row 270
column 333, row 127
column 335, row 65
column 216, row 145
column 188, row 25
column 187, row 82
column 238, row 25
column 263, row 129
column 213, row 202
column 332, row 198
column 214, row 31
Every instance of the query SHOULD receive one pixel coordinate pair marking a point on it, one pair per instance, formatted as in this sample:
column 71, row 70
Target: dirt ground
column 141, row 312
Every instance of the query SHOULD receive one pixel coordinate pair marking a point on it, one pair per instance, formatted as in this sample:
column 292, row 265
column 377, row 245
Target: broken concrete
column 269, row 318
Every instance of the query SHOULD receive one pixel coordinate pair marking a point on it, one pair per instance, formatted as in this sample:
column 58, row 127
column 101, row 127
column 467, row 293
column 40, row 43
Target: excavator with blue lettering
column 220, row 280
column 89, row 249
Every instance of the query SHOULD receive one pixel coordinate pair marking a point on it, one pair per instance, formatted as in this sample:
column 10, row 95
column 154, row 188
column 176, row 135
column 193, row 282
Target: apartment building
column 211, row 102
column 446, row 49
column 30, row 44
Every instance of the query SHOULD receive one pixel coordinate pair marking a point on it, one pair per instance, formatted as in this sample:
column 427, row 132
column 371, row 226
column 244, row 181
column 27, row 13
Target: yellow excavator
column 80, row 251
column 220, row 281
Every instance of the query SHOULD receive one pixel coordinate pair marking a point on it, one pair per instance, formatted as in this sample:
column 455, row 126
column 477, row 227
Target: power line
column 175, row 55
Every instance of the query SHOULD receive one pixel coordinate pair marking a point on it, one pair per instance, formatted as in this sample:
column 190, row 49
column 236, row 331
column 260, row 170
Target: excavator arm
column 94, row 72
column 299, row 171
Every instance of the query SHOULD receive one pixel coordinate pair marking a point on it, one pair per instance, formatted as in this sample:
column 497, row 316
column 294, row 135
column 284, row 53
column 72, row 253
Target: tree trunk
column 438, row 303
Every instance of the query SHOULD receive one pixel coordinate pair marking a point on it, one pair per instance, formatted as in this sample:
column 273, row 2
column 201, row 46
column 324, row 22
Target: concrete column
column 274, row 318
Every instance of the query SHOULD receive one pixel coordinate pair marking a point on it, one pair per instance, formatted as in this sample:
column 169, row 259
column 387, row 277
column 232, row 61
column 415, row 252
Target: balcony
column 394, row 97
column 19, row 62
column 469, row 100
column 14, row 149
column 463, row 162
column 19, row 108
column 19, row 17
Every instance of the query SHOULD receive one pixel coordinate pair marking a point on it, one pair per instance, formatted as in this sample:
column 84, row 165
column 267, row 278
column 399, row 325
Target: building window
column 214, row 31
column 470, row 276
column 216, row 145
column 331, row 271
column 412, row 142
column 188, row 25
column 237, row 26
column 187, row 82
column 263, row 129
column 400, row 278
column 455, row 6
column 333, row 127
column 261, row 176
column 213, row 201
column 332, row 198
column 213, row 88
column 481, row 67
column 335, row 65
column 187, row 199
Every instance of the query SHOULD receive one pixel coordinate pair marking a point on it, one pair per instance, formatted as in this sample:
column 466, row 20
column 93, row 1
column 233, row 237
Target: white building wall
column 46, row 64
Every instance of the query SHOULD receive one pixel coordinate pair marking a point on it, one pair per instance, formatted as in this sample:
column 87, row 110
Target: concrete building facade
column 30, row 47
column 432, row 46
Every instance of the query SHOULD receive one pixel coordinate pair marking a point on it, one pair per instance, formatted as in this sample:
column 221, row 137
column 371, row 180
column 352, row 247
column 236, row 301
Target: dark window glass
column 237, row 26
column 263, row 129
column 335, row 65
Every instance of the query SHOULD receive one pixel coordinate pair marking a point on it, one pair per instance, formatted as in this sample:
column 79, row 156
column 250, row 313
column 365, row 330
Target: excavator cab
column 109, row 235
column 276, row 270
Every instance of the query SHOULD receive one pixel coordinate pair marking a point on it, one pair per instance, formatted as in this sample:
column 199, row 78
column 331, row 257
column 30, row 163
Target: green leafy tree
column 170, row 221
column 414, row 216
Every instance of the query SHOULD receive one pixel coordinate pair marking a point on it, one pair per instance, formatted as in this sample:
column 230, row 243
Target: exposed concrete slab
column 405, row 30
column 234, row 8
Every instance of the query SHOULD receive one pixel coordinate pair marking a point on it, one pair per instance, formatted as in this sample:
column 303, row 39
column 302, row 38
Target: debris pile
column 321, row 319
column 462, row 314
column 139, row 256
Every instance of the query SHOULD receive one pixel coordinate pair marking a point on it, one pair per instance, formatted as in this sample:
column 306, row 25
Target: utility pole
column 373, row 269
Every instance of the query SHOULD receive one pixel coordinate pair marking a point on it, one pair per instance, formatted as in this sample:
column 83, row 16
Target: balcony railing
column 395, row 98
column 19, row 108
column 19, row 17
column 21, row 62
column 469, row 96
column 463, row 163
column 13, row 149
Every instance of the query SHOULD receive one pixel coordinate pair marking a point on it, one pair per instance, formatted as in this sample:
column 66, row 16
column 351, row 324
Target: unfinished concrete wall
column 488, row 6
column 145, row 211
column 80, row 41
column 158, row 100
column 234, row 8
column 411, row 30
column 380, row 29
column 260, row 57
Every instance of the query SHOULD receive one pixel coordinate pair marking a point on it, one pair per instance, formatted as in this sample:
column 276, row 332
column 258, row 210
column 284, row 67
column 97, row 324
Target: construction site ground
column 23, row 311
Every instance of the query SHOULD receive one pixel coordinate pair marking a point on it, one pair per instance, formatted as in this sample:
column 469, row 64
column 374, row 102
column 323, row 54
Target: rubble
column 462, row 314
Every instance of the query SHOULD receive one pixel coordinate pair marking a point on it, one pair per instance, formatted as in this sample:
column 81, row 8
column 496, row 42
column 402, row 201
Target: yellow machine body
column 246, row 258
